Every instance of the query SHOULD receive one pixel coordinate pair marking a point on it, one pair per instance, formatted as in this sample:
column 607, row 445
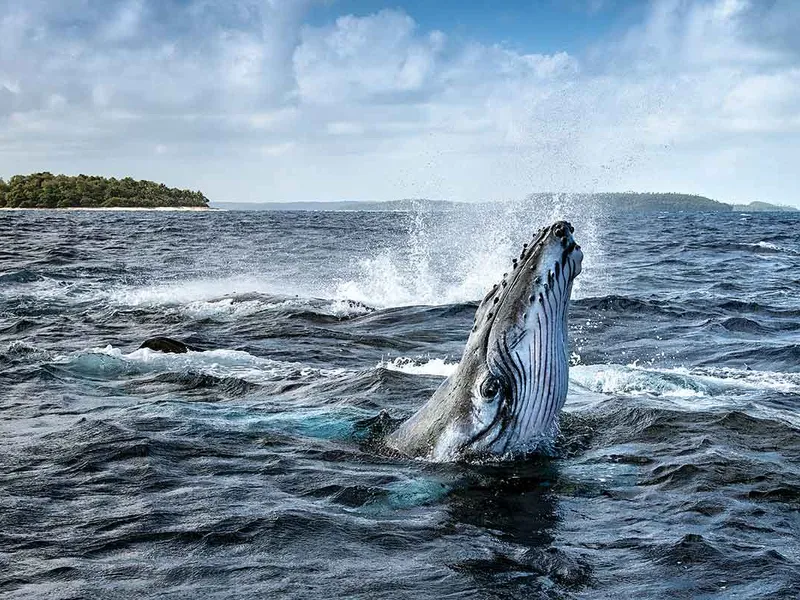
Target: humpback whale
column 504, row 398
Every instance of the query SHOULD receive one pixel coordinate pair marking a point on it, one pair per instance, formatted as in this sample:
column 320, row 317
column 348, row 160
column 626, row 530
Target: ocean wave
column 20, row 276
column 414, row 366
column 230, row 298
column 617, row 303
column 742, row 325
column 18, row 326
column 321, row 307
column 225, row 307
column 614, row 379
column 18, row 350
column 110, row 362
column 24, row 286
column 187, row 292
column 771, row 248
column 761, row 247
column 680, row 382
column 636, row 380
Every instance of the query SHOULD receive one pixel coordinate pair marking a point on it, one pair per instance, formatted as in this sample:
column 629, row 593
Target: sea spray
column 454, row 256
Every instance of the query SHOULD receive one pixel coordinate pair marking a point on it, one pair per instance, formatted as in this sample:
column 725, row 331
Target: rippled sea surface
column 245, row 469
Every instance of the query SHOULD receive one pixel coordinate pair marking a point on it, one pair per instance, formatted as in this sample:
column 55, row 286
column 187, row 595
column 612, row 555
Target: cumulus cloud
column 230, row 94
column 377, row 56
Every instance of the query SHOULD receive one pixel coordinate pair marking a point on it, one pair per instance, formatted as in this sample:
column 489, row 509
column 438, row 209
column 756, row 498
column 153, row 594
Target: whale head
column 504, row 398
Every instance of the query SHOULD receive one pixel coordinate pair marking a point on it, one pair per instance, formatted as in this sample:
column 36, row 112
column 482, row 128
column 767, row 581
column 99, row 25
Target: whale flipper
column 165, row 344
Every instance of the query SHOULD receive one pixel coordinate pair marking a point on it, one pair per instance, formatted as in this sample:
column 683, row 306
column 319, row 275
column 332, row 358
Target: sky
column 297, row 100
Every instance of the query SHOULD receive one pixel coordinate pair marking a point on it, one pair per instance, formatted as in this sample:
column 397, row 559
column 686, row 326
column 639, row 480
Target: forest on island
column 45, row 190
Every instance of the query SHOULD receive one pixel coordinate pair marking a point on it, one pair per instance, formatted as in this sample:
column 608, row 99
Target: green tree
column 45, row 190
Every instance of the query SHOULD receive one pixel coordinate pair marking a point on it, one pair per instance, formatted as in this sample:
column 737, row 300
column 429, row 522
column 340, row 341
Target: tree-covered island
column 45, row 190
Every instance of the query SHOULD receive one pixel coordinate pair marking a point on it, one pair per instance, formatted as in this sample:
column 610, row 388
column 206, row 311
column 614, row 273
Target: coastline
column 123, row 209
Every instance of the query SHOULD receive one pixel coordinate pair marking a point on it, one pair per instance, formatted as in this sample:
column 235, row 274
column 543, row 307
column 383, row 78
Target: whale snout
column 561, row 235
column 562, row 228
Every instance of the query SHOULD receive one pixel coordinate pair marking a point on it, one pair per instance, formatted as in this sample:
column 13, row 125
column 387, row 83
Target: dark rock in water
column 165, row 344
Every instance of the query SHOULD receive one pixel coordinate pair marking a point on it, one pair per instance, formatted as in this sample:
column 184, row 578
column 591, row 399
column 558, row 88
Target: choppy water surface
column 243, row 470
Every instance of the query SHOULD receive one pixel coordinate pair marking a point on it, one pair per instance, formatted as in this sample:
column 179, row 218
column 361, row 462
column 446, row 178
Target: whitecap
column 113, row 362
column 413, row 366
column 680, row 382
column 187, row 292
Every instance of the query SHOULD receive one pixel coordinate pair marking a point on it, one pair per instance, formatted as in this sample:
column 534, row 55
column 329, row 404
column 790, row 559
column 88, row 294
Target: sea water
column 242, row 469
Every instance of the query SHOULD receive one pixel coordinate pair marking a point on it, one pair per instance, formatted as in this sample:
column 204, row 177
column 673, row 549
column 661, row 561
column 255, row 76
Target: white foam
column 224, row 307
column 346, row 308
column 726, row 377
column 187, row 292
column 216, row 363
column 772, row 247
column 433, row 366
column 631, row 380
column 227, row 297
column 768, row 246
column 44, row 288
column 680, row 382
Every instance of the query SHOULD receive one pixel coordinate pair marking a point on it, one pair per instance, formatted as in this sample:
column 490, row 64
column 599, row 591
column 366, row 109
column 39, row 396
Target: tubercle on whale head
column 506, row 393
column 552, row 251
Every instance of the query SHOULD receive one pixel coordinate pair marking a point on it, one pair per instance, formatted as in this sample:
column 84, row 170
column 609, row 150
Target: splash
column 450, row 257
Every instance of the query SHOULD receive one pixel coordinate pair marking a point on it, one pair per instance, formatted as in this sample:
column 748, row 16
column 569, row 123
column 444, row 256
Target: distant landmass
column 757, row 206
column 346, row 205
column 45, row 190
column 626, row 201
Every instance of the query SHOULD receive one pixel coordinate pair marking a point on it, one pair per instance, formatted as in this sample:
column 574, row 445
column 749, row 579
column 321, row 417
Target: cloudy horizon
column 341, row 100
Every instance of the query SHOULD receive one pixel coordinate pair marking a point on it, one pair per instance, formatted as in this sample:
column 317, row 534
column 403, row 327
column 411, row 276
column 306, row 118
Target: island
column 612, row 202
column 45, row 190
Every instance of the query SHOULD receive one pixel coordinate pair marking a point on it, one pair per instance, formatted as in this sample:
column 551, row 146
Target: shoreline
column 122, row 209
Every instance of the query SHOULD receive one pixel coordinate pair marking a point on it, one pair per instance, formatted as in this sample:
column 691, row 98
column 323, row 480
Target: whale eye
column 490, row 388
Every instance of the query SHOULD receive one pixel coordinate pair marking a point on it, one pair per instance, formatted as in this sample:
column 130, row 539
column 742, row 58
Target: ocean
column 248, row 469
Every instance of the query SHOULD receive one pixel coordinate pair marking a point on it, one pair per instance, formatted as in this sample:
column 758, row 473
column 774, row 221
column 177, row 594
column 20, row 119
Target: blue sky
column 270, row 100
column 542, row 26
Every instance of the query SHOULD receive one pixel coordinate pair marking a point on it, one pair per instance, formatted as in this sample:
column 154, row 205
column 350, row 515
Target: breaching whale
column 504, row 398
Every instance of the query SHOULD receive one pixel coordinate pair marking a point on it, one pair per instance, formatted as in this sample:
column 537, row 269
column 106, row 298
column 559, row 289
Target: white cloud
column 345, row 128
column 380, row 55
column 125, row 24
column 373, row 106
